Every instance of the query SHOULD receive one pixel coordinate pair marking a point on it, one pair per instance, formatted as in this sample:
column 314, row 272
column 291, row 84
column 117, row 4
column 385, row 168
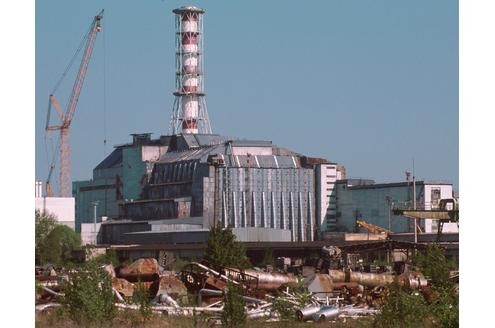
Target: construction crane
column 371, row 227
column 67, row 116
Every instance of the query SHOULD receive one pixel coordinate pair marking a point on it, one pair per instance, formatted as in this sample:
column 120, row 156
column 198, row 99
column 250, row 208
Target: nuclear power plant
column 173, row 188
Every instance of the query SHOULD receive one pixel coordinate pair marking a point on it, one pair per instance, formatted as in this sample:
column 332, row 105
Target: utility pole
column 95, row 204
column 389, row 203
column 414, row 207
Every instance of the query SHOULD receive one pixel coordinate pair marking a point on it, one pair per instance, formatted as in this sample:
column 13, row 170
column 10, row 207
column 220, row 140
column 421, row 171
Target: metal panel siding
column 246, row 192
column 371, row 205
column 84, row 211
column 251, row 234
column 133, row 171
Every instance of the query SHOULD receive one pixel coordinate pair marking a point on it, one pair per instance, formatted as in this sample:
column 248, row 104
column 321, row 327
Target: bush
column 402, row 309
column 435, row 266
column 141, row 297
column 89, row 297
column 223, row 250
column 268, row 258
column 445, row 309
column 110, row 257
column 58, row 245
column 287, row 310
column 179, row 264
column 234, row 313
column 44, row 224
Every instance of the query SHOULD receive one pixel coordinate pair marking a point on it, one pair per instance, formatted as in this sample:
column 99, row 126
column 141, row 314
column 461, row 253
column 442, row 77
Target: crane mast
column 66, row 118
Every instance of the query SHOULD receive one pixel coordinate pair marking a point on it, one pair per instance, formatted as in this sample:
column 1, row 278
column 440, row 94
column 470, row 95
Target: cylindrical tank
column 265, row 280
column 308, row 312
column 326, row 313
column 414, row 280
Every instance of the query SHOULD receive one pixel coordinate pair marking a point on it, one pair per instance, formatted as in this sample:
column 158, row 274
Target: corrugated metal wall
column 273, row 198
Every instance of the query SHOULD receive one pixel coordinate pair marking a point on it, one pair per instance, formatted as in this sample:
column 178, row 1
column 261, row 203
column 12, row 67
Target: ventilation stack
column 190, row 115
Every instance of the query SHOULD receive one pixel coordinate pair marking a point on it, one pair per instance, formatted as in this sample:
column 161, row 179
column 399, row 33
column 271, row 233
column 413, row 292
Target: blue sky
column 367, row 84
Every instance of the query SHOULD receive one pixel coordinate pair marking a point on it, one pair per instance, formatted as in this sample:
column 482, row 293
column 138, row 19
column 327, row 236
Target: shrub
column 401, row 308
column 110, row 257
column 44, row 224
column 445, row 309
column 141, row 297
column 234, row 313
column 268, row 258
column 223, row 250
column 434, row 265
column 58, row 245
column 89, row 297
column 286, row 309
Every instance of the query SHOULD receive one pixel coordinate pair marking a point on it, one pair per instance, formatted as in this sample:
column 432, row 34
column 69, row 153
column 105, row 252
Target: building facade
column 373, row 203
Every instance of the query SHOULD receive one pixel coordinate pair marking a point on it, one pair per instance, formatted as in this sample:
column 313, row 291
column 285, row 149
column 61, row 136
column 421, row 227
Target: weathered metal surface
column 123, row 286
column 320, row 285
column 172, row 286
column 308, row 312
column 265, row 280
column 326, row 313
column 110, row 269
column 140, row 270
column 414, row 280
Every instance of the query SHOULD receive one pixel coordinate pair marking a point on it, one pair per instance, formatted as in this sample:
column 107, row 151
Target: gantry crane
column 66, row 118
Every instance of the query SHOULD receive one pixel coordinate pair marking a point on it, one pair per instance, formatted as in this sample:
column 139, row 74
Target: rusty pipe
column 414, row 280
column 265, row 280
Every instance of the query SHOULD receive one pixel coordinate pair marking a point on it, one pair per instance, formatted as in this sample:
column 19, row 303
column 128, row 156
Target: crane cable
column 57, row 85
column 104, row 111
column 71, row 62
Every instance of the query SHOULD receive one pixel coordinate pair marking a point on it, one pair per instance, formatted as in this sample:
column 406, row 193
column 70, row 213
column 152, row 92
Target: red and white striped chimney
column 190, row 114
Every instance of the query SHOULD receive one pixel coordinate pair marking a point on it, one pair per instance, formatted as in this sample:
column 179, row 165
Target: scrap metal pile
column 324, row 294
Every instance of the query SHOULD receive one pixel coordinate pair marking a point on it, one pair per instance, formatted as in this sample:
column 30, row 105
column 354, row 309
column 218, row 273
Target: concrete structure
column 263, row 191
column 60, row 207
column 119, row 177
column 174, row 188
column 358, row 198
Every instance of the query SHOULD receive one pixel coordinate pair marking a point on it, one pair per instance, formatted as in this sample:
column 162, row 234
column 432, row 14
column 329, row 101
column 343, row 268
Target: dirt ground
column 132, row 319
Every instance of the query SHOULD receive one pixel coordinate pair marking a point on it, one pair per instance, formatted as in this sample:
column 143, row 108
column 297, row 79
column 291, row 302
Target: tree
column 88, row 296
column 268, row 258
column 223, row 250
column 234, row 312
column 44, row 224
column 59, row 244
column 434, row 265
column 401, row 308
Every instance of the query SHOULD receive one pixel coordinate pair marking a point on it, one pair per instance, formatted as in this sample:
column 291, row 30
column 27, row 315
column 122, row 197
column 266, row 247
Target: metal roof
column 184, row 9
column 112, row 160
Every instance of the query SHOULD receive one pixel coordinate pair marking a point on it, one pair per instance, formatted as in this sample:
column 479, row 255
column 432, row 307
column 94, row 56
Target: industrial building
column 364, row 199
column 264, row 192
column 172, row 189
column 62, row 208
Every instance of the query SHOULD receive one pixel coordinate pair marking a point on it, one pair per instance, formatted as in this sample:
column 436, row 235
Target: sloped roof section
column 112, row 160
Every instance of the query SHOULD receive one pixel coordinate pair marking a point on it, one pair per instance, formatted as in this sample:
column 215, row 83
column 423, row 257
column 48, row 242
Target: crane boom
column 81, row 74
column 66, row 118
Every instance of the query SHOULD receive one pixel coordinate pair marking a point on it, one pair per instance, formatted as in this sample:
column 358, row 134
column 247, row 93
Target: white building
column 62, row 208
